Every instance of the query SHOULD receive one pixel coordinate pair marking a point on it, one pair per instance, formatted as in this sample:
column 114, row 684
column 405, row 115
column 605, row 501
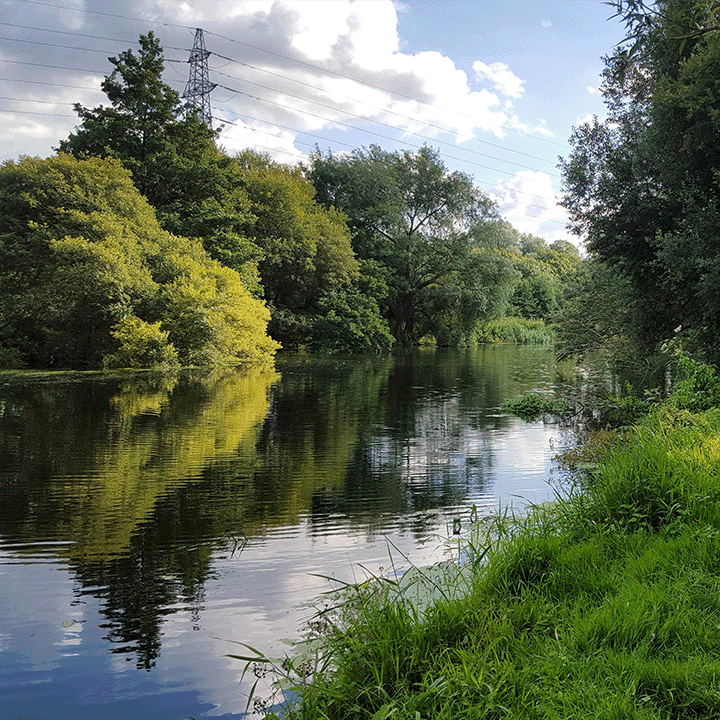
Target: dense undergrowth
column 604, row 604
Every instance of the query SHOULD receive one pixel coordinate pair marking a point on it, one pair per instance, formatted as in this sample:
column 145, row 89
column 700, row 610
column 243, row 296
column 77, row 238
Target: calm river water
column 150, row 522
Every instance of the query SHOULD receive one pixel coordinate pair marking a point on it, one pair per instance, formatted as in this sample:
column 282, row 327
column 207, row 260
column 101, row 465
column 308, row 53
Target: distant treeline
column 142, row 243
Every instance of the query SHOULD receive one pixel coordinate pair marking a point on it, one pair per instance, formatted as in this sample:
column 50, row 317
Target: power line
column 199, row 86
column 320, row 117
column 378, row 134
column 375, row 122
column 75, row 34
column 381, row 109
column 295, row 61
column 362, row 82
column 291, row 59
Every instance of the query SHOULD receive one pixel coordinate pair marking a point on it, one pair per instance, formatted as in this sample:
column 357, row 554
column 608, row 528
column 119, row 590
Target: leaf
column 385, row 712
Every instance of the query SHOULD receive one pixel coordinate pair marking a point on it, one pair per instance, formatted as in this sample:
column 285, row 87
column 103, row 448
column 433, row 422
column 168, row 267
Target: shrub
column 533, row 406
column 141, row 344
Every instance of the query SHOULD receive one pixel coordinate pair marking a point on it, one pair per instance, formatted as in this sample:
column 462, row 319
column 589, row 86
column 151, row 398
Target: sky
column 495, row 86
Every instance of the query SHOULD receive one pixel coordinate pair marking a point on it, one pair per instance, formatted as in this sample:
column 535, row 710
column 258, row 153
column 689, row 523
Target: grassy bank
column 604, row 605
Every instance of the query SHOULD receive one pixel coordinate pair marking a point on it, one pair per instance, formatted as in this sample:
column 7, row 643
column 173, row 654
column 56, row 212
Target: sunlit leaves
column 87, row 272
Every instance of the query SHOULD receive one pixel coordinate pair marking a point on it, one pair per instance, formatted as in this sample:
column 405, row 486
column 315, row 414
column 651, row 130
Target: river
column 150, row 522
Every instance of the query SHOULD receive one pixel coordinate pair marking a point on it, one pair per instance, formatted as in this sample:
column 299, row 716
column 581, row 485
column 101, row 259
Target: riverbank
column 605, row 604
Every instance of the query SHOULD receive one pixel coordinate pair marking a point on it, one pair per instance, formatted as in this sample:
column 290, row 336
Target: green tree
column 545, row 271
column 305, row 247
column 194, row 187
column 86, row 273
column 429, row 230
column 642, row 185
column 600, row 313
column 134, row 128
column 308, row 265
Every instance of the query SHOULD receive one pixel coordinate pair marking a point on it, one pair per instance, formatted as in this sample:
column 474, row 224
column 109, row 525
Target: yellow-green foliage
column 142, row 344
column 88, row 276
column 519, row 330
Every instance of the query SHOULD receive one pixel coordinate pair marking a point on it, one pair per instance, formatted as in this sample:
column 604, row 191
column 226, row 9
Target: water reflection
column 184, row 507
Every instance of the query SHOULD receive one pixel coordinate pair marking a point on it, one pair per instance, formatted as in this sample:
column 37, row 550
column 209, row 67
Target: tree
column 545, row 271
column 86, row 273
column 600, row 313
column 642, row 186
column 306, row 248
column 426, row 228
column 195, row 189
column 134, row 128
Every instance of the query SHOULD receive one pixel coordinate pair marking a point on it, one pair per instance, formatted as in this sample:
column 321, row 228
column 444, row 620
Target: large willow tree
column 426, row 234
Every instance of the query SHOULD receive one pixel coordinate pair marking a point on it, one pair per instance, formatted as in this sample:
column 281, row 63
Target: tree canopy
column 195, row 188
column 353, row 252
column 87, row 276
column 545, row 271
column 642, row 186
column 426, row 231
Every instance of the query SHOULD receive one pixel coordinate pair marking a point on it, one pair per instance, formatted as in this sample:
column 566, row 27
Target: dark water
column 150, row 522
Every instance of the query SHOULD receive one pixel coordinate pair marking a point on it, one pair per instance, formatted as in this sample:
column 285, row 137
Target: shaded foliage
column 642, row 185
column 430, row 230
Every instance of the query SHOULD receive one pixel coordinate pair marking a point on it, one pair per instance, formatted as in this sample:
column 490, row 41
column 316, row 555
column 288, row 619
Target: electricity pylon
column 199, row 87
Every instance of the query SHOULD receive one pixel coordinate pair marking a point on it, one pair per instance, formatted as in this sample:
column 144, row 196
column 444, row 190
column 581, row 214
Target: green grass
column 605, row 604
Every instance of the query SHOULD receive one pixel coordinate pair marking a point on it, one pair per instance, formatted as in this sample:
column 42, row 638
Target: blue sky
column 495, row 87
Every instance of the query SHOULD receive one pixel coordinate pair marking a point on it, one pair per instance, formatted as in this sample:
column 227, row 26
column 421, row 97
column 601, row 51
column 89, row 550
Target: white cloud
column 542, row 129
column 501, row 77
column 279, row 144
column 529, row 203
column 306, row 65
column 593, row 90
column 546, row 23
column 358, row 39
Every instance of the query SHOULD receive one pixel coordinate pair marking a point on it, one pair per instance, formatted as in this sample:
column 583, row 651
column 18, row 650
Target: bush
column 141, row 344
column 533, row 406
column 82, row 254
column 699, row 386
column 351, row 322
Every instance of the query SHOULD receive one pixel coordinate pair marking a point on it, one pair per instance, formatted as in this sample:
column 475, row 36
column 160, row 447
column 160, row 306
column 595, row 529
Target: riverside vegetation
column 603, row 604
column 142, row 243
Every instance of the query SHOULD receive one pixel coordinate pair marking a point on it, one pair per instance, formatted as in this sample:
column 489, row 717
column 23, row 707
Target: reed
column 518, row 330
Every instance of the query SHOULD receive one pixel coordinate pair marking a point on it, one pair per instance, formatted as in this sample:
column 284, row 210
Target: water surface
column 150, row 521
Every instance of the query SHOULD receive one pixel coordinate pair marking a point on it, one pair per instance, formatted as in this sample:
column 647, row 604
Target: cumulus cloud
column 307, row 66
column 542, row 129
column 278, row 143
column 589, row 118
column 501, row 77
column 529, row 203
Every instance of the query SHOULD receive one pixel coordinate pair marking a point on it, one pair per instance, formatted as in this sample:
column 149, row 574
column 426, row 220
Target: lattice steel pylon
column 199, row 87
